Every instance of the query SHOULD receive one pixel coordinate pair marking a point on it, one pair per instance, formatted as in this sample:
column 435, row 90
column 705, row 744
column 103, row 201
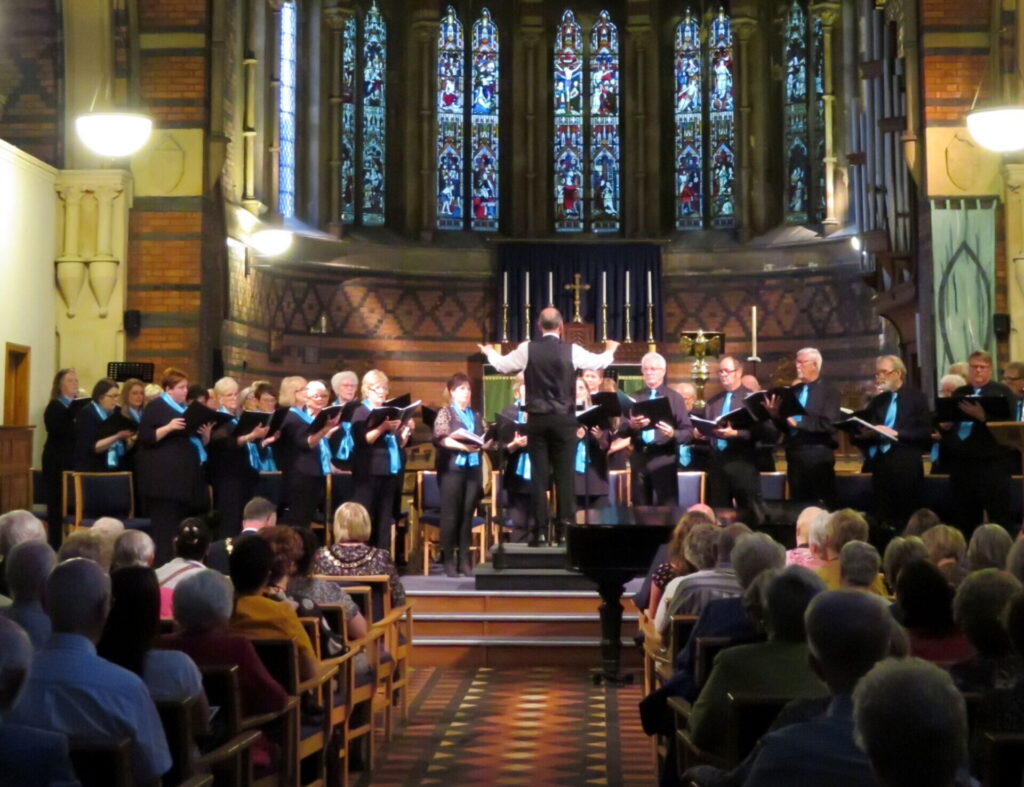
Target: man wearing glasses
column 902, row 415
column 979, row 467
column 732, row 466
column 1013, row 378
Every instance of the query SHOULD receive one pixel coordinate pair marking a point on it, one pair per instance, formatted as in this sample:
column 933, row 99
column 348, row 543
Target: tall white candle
column 604, row 286
column 504, row 289
column 551, row 288
column 527, row 288
column 753, row 331
column 627, row 286
column 650, row 289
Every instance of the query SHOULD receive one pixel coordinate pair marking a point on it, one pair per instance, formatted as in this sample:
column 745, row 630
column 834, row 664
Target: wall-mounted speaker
column 132, row 322
column 1001, row 325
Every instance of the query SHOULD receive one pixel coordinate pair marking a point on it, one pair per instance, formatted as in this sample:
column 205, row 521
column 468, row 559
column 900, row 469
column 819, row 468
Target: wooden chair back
column 707, row 649
column 102, row 763
column 691, row 487
column 176, row 718
column 380, row 585
column 750, row 716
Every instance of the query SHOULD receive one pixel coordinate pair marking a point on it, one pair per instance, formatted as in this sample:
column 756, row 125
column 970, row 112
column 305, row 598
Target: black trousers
column 811, row 470
column 460, row 493
column 520, row 512
column 305, row 494
column 377, row 495
column 657, row 486
column 164, row 517
column 734, row 477
column 896, row 481
column 981, row 487
column 552, row 447
column 230, row 494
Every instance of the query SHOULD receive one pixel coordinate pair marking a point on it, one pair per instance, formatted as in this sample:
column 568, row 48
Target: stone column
column 416, row 107
column 1013, row 176
column 70, row 265
column 104, row 264
column 528, row 209
column 744, row 28
column 334, row 19
column 828, row 13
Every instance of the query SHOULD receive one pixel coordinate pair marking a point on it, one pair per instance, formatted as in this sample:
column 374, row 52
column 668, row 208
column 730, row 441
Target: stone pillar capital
column 827, row 12
column 744, row 27
column 335, row 18
column 1013, row 175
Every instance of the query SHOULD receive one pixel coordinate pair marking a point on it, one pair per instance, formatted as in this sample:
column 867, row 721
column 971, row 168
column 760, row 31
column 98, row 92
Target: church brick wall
column 172, row 14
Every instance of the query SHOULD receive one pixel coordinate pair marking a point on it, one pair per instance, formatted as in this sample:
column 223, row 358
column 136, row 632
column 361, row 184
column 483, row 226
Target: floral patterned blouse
column 343, row 560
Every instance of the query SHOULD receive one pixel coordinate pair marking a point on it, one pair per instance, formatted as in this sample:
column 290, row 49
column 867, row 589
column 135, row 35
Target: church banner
column 964, row 280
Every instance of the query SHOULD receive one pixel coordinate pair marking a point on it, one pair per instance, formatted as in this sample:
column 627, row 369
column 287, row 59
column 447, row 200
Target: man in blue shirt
column 73, row 691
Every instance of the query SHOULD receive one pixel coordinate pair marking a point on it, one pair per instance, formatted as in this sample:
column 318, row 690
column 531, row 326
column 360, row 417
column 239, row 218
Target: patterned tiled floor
column 538, row 727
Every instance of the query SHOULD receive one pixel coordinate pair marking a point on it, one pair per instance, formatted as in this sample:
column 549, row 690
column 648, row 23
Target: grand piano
column 611, row 546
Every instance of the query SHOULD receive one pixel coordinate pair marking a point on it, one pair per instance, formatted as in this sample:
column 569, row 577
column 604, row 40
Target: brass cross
column 577, row 287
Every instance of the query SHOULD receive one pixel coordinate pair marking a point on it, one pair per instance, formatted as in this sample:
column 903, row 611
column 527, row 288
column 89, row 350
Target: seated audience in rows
column 778, row 667
column 946, row 550
column 203, row 603
column 258, row 617
column 303, row 583
column 17, row 526
column 130, row 633
column 844, row 525
column 107, row 529
column 898, row 552
column 73, row 691
column 133, row 548
column 689, row 594
column 912, row 722
column 858, row 566
column 28, row 757
column 664, row 566
column 191, row 543
column 84, row 544
column 848, row 632
column 811, row 539
column 257, row 514
column 698, row 552
column 350, row 555
column 1015, row 559
column 924, row 605
column 988, row 548
column 286, row 549
column 28, row 566
column 921, row 521
column 753, row 555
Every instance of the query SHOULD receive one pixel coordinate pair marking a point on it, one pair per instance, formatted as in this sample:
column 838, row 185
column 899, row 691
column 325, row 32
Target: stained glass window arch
column 795, row 130
column 288, row 33
column 705, row 122
column 451, row 53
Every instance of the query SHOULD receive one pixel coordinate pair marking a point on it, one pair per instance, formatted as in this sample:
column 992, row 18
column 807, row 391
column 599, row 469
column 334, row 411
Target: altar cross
column 577, row 288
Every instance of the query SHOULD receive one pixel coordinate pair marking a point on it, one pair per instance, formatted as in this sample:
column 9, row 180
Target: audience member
column 778, row 667
column 858, row 566
column 924, row 605
column 844, row 526
column 675, row 564
column 811, row 539
column 921, row 521
column 352, row 556
column 259, row 617
column 257, row 514
column 692, row 592
column 190, row 545
column 946, row 550
column 73, row 691
column 128, row 637
column 989, row 546
column 203, row 602
column 321, row 591
column 847, row 633
column 17, row 526
column 1015, row 559
column 107, row 529
column 28, row 566
column 694, row 515
column 133, row 548
column 84, row 544
column 898, row 552
column 28, row 757
column 912, row 722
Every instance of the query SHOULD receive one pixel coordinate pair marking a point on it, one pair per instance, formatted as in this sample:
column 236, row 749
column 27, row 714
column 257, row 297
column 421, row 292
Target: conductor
column 549, row 367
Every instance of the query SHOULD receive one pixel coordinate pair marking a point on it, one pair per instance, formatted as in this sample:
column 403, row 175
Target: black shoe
column 466, row 568
column 450, row 569
column 561, row 526
column 534, row 540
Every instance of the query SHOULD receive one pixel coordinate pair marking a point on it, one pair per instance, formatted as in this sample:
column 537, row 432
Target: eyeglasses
column 1010, row 379
column 727, row 371
column 980, row 366
column 884, row 372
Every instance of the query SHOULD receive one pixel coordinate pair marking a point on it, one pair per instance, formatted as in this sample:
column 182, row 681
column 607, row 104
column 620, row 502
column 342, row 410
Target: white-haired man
column 656, row 445
column 17, row 526
column 29, row 564
column 809, row 438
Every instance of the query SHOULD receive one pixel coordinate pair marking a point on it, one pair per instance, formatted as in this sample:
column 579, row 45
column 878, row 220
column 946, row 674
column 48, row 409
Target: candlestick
column 604, row 321
column 526, row 325
column 650, row 325
column 753, row 331
column 551, row 288
column 628, row 318
column 504, row 287
column 504, row 322
column 627, row 288
column 527, row 290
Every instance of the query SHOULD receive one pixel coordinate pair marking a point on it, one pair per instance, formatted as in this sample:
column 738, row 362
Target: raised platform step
column 468, row 652
column 522, row 556
column 525, row 625
column 488, row 578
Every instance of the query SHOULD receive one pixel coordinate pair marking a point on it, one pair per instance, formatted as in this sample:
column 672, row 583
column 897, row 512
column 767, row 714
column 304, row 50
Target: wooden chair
column 231, row 760
column 105, row 494
column 102, row 763
column 691, row 487
column 853, row 490
column 427, row 505
column 774, row 487
column 365, row 696
column 750, row 717
column 1002, row 759
column 620, row 492
column 679, row 634
column 707, row 649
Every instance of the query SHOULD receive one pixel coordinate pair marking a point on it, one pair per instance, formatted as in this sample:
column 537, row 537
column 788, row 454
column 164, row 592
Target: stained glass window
column 568, row 148
column 689, row 190
column 604, row 125
column 286, row 111
column 374, row 106
column 484, row 124
column 722, row 120
column 820, row 196
column 450, row 119
column 347, row 179
column 797, row 179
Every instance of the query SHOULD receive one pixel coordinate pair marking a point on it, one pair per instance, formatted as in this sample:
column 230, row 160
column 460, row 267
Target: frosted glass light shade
column 270, row 243
column 1000, row 129
column 114, row 134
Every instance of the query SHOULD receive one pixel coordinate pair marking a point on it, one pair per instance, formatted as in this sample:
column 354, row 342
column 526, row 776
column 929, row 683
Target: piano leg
column 610, row 591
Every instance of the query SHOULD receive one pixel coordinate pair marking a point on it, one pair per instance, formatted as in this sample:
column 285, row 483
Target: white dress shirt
column 515, row 361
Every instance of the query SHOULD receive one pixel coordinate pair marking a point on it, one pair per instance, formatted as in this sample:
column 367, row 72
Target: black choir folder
column 854, row 422
column 116, row 422
column 789, row 405
column 997, row 408
column 740, row 418
column 656, row 409
column 346, row 410
column 250, row 420
column 595, row 415
column 78, row 404
column 466, row 437
column 397, row 409
column 198, row 415
column 615, row 403
column 507, row 428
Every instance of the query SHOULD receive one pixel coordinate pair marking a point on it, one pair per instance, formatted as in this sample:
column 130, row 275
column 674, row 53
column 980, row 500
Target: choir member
column 941, row 439
column 170, row 462
column 306, row 455
column 656, row 446
column 460, row 474
column 234, row 467
column 133, row 399
column 94, row 454
column 266, row 402
column 59, row 449
column 516, row 478
column 344, row 385
column 377, row 459
column 897, row 472
column 591, row 460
